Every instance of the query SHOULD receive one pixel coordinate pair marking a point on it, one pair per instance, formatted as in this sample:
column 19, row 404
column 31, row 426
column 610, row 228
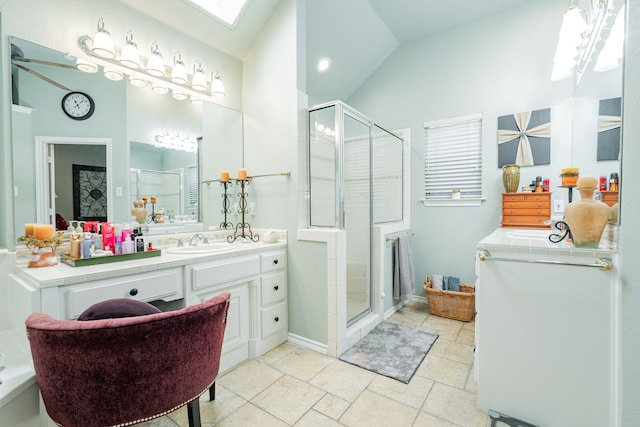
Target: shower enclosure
column 355, row 181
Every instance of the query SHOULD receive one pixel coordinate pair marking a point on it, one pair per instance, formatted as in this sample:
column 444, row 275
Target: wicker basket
column 450, row 304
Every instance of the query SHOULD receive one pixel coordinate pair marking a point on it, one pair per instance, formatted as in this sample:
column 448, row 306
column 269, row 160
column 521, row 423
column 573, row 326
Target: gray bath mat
column 391, row 350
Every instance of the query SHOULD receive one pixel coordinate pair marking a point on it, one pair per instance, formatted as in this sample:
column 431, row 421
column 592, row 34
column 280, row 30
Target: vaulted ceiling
column 357, row 34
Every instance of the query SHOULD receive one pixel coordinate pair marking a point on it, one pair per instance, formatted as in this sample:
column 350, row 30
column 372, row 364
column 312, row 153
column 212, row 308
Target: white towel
column 437, row 281
column 403, row 275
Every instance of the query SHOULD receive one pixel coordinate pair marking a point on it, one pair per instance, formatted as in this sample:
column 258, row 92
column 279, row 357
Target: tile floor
column 293, row 386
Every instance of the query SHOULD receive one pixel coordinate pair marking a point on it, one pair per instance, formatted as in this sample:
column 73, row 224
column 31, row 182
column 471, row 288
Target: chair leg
column 212, row 391
column 193, row 412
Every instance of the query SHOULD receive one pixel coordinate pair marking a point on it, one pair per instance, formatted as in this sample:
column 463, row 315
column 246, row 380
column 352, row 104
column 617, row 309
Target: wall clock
column 78, row 105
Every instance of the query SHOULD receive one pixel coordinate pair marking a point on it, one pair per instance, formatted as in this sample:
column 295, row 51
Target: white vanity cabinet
column 272, row 323
column 546, row 328
column 257, row 318
column 69, row 301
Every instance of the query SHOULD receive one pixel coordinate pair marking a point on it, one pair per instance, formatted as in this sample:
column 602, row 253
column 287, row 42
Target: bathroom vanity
column 254, row 273
column 546, row 329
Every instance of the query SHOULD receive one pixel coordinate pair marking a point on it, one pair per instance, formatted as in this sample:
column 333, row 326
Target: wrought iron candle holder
column 226, row 205
column 152, row 217
column 243, row 229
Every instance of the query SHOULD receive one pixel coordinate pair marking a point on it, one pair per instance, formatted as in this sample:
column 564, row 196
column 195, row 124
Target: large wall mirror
column 134, row 120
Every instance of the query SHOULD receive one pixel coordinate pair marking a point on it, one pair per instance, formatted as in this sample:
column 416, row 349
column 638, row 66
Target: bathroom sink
column 200, row 249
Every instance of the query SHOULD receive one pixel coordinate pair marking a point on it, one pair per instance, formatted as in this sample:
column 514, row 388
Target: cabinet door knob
column 276, row 287
column 275, row 261
column 276, row 318
column 133, row 292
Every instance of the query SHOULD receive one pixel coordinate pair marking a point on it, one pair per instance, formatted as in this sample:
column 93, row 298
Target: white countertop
column 63, row 274
column 536, row 241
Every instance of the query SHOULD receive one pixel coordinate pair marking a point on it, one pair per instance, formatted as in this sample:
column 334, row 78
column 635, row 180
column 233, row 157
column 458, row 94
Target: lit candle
column 242, row 174
column 43, row 231
column 153, row 199
column 28, row 229
column 224, row 176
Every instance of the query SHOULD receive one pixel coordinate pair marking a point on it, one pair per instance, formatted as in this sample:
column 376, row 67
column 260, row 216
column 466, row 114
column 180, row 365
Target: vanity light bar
column 163, row 81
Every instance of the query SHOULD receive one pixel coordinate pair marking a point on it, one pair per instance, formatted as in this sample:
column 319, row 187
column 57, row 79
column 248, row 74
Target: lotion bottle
column 128, row 246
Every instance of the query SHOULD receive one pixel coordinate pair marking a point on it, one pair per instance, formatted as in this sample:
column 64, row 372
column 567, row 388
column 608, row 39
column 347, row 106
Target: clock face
column 78, row 105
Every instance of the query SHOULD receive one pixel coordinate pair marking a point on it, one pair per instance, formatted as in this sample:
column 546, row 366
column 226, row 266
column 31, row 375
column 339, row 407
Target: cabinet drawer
column 211, row 274
column 526, row 211
column 525, row 220
column 163, row 284
column 274, row 288
column 273, row 261
column 526, row 204
column 274, row 319
column 514, row 197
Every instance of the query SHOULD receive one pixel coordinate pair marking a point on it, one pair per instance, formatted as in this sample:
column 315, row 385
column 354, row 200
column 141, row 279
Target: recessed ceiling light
column 323, row 64
column 225, row 10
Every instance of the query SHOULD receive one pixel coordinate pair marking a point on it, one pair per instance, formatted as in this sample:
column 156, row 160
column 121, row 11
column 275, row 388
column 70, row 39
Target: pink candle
column 242, row 174
column 43, row 231
column 224, row 176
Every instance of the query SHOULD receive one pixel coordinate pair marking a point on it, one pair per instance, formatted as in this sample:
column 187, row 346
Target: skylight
column 227, row 11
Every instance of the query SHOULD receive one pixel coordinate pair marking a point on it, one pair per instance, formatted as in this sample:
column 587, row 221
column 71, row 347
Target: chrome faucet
column 196, row 237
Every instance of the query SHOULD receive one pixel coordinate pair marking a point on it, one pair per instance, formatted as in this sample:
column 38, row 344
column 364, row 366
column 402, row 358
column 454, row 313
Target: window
column 453, row 161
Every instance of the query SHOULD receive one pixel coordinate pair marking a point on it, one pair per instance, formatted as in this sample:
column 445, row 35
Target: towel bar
column 393, row 239
column 604, row 264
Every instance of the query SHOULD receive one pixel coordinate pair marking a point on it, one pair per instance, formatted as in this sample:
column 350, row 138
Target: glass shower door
column 356, row 170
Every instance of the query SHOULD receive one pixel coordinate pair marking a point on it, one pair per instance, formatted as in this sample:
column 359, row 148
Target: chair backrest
column 113, row 372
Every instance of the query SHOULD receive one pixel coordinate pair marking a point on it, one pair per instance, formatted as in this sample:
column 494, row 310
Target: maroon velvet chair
column 114, row 372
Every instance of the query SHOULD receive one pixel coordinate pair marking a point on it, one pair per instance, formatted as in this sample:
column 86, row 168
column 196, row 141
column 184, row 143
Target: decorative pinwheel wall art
column 524, row 139
column 609, row 123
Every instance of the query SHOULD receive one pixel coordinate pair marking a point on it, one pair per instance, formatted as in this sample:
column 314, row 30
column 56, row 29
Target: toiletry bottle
column 538, row 184
column 87, row 245
column 97, row 238
column 118, row 246
column 75, row 246
column 127, row 246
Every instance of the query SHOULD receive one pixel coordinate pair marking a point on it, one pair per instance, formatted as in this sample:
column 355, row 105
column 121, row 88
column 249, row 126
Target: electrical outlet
column 558, row 206
column 118, row 191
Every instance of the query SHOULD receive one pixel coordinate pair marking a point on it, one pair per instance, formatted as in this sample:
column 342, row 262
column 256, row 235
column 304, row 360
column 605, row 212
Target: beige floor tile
column 343, row 380
column 452, row 350
column 316, row 419
column 467, row 336
column 273, row 356
column 418, row 306
column 408, row 317
column 472, row 385
column 331, row 406
column 303, row 364
column 428, row 420
column 158, row 422
column 371, row 409
column 249, row 379
column 454, row 405
column 211, row 412
column 412, row 394
column 288, row 399
column 469, row 325
column 250, row 415
column 447, row 334
column 443, row 323
column 444, row 370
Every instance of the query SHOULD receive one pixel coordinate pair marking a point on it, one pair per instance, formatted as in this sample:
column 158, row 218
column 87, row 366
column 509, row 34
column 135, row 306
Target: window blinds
column 453, row 158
